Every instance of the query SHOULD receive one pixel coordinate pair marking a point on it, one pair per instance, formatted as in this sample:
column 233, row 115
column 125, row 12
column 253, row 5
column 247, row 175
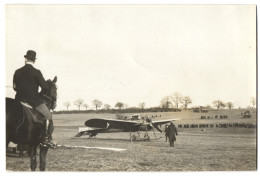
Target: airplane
column 102, row 125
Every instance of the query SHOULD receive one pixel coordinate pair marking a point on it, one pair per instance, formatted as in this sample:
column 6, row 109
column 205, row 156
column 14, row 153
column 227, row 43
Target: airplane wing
column 160, row 122
column 95, row 126
column 112, row 123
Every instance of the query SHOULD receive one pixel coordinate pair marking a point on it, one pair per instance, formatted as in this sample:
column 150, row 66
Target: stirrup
column 47, row 143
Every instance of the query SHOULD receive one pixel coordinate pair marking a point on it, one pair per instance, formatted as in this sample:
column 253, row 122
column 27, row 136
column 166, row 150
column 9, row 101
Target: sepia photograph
column 130, row 88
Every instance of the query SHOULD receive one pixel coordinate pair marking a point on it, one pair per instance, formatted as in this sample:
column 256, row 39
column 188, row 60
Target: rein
column 46, row 96
column 48, row 101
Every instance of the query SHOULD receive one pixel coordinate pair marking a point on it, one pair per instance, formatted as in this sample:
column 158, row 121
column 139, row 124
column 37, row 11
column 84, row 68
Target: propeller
column 149, row 120
column 156, row 127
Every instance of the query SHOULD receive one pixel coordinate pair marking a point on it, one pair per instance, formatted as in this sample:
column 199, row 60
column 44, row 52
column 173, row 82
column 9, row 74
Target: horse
column 21, row 129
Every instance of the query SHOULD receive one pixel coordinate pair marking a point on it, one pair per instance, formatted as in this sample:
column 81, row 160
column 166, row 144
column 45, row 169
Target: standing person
column 26, row 82
column 166, row 131
column 172, row 134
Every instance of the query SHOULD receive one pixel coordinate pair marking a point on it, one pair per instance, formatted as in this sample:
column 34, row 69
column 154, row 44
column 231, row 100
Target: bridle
column 49, row 99
column 50, row 103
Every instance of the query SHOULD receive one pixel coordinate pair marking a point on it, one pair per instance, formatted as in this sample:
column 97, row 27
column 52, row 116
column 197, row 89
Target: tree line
column 97, row 104
column 174, row 102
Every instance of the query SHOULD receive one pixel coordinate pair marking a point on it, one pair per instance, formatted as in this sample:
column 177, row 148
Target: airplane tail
column 79, row 134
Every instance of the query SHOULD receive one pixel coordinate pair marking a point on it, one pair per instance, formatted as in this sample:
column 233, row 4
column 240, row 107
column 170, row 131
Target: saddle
column 29, row 113
column 32, row 113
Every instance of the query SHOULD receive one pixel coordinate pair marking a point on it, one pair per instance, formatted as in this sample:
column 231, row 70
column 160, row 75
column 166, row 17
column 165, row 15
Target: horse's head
column 50, row 95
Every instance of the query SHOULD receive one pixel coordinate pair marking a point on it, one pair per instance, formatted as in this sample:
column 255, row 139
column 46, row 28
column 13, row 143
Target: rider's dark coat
column 27, row 81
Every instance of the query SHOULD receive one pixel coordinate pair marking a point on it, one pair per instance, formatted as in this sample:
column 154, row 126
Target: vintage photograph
column 130, row 87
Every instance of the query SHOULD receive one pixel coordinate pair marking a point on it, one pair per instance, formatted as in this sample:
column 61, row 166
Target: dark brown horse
column 21, row 129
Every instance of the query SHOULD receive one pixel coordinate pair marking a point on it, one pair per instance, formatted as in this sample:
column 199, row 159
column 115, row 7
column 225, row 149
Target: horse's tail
column 13, row 113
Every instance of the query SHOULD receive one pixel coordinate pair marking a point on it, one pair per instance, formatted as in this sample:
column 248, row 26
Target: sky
column 137, row 53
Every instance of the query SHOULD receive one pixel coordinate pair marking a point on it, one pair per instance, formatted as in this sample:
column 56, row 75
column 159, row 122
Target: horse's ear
column 55, row 79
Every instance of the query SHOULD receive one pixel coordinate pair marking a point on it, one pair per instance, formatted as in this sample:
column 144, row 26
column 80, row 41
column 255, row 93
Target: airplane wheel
column 147, row 138
column 134, row 138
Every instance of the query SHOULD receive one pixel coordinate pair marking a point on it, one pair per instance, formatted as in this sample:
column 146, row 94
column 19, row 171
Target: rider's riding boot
column 47, row 139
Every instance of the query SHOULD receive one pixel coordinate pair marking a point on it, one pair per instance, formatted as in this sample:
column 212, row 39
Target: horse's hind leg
column 43, row 153
column 7, row 143
column 7, row 140
column 33, row 158
column 20, row 148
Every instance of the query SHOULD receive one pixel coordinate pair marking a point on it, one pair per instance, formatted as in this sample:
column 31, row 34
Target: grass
column 216, row 149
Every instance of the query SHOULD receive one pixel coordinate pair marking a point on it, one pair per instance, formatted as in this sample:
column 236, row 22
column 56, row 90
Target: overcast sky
column 137, row 53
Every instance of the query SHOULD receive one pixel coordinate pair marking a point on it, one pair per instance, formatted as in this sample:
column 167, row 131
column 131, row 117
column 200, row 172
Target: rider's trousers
column 42, row 108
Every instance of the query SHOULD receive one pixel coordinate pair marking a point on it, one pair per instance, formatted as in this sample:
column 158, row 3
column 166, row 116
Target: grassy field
column 215, row 149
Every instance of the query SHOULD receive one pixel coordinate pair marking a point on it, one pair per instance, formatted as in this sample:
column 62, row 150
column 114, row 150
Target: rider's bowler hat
column 31, row 55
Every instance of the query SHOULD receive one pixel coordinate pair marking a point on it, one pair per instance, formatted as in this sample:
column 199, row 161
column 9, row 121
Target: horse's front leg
column 33, row 157
column 43, row 153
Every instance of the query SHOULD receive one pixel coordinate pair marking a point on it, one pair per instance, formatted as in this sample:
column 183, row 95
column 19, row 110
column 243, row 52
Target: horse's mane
column 50, row 84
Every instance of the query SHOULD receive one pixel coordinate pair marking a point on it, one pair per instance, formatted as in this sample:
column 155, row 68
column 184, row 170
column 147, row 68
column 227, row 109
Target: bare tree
column 186, row 101
column 222, row 105
column 230, row 105
column 218, row 104
column 119, row 105
column 253, row 101
column 126, row 106
column 177, row 99
column 208, row 107
column 141, row 105
column 166, row 102
column 67, row 105
column 107, row 106
column 78, row 103
column 97, row 103
column 85, row 105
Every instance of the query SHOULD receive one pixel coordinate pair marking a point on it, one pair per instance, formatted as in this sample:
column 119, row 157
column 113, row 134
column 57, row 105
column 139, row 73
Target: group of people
column 170, row 133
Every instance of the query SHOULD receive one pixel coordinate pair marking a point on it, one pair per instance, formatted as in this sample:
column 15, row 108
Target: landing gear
column 138, row 138
column 146, row 137
column 92, row 135
column 134, row 138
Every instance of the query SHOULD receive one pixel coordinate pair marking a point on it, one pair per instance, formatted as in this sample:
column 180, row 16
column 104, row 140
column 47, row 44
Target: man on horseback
column 26, row 82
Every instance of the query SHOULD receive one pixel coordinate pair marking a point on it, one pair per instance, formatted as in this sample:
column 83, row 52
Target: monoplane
column 101, row 125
